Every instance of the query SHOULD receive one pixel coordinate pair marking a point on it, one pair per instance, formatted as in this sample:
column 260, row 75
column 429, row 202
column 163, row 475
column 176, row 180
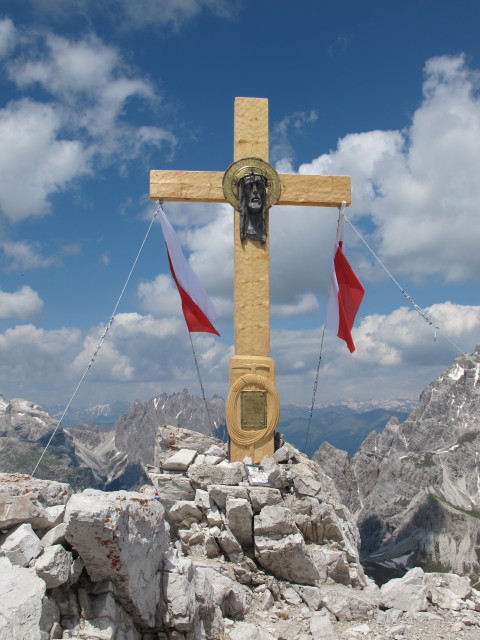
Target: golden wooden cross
column 251, row 368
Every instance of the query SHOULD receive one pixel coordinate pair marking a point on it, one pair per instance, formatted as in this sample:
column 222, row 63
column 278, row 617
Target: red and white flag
column 345, row 292
column 197, row 307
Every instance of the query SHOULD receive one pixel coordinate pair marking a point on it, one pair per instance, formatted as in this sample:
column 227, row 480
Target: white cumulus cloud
column 420, row 186
column 23, row 304
column 47, row 144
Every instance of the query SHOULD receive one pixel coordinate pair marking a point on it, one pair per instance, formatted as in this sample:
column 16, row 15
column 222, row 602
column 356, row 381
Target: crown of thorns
column 246, row 166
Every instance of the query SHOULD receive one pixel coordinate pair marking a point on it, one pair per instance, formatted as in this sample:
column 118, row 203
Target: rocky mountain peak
column 415, row 487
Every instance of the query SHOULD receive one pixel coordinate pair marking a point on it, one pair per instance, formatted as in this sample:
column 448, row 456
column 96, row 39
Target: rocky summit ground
column 210, row 550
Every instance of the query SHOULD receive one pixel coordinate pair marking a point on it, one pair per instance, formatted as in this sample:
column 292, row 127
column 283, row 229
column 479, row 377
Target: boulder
column 20, row 545
column 184, row 512
column 47, row 493
column 348, row 605
column 172, row 487
column 233, row 599
column 121, row 536
column 16, row 510
column 280, row 547
column 179, row 593
column 263, row 496
column 225, row 473
column 54, row 566
column 219, row 494
column 230, row 545
column 322, row 627
column 21, row 602
column 170, row 439
column 240, row 520
column 54, row 536
column 180, row 460
column 459, row 585
column 407, row 593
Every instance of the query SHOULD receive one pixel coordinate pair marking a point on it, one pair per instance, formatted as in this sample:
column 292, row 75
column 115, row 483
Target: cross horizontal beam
column 206, row 186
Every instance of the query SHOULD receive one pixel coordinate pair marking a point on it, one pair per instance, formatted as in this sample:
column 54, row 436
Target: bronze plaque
column 253, row 409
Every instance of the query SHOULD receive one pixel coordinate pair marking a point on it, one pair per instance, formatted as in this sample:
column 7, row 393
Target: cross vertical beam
column 251, row 257
column 251, row 365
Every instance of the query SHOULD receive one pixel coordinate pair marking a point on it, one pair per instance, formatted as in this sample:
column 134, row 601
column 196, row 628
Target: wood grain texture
column 251, row 128
column 187, row 186
column 314, row 191
column 206, row 186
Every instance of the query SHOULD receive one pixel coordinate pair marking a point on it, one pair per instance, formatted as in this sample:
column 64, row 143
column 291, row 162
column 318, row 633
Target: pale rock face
column 407, row 593
column 171, row 439
column 280, row 547
column 180, row 461
column 184, row 512
column 233, row 599
column 45, row 492
column 321, row 627
column 121, row 536
column 53, row 566
column 414, row 487
column 20, row 509
column 20, row 545
column 239, row 520
column 171, row 488
column 220, row 493
column 179, row 590
column 262, row 496
column 347, row 605
column 204, row 475
column 21, row 602
column 54, row 536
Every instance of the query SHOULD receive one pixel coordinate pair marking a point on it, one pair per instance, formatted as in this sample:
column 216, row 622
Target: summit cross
column 253, row 405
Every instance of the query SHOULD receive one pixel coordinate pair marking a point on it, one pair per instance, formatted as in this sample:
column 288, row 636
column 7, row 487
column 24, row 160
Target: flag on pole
column 197, row 307
column 345, row 291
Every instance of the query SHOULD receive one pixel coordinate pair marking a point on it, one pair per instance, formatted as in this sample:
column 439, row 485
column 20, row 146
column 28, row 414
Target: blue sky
column 94, row 95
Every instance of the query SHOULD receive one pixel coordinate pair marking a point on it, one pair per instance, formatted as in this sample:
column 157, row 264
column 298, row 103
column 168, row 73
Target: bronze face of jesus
column 252, row 198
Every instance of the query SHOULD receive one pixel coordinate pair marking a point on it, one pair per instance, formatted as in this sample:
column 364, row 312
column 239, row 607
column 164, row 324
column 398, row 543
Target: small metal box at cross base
column 253, row 409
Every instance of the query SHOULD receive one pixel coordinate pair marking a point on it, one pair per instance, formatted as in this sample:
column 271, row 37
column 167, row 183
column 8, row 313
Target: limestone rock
column 179, row 590
column 230, row 545
column 219, row 494
column 262, row 496
column 53, row 566
column 233, row 599
column 240, row 520
column 348, row 605
column 184, row 512
column 407, row 593
column 180, row 460
column 171, row 488
column 47, row 493
column 322, row 627
column 171, row 439
column 226, row 473
column 21, row 602
column 54, row 536
column 458, row 585
column 16, row 510
column 20, row 545
column 280, row 547
column 121, row 536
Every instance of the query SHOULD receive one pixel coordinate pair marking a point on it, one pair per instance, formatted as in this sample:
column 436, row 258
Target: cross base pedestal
column 253, row 408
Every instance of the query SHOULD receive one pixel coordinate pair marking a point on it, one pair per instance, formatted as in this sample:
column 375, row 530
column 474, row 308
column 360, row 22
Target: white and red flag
column 345, row 291
column 197, row 307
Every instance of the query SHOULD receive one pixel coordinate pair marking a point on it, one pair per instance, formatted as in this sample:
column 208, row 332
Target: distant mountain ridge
column 105, row 414
column 339, row 424
column 415, row 487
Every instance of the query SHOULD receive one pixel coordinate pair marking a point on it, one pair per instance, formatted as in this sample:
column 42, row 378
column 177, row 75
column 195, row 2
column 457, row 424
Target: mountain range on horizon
column 412, row 485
